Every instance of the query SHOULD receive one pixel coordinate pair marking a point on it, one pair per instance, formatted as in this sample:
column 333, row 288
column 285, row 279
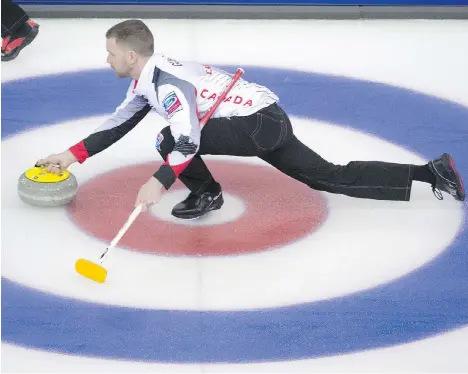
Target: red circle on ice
column 278, row 211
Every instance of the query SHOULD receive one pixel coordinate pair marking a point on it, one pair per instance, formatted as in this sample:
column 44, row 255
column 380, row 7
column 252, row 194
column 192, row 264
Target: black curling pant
column 13, row 17
column 268, row 134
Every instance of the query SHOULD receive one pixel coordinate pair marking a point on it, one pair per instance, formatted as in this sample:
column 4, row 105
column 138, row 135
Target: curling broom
column 97, row 272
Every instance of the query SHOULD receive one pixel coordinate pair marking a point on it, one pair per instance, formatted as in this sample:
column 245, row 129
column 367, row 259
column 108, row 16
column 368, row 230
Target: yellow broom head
column 91, row 270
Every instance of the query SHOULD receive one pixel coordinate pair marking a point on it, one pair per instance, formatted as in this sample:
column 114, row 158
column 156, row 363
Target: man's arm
column 133, row 109
column 179, row 101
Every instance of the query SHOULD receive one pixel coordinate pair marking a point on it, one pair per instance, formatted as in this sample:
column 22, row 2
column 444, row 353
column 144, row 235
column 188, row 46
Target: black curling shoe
column 195, row 206
column 447, row 178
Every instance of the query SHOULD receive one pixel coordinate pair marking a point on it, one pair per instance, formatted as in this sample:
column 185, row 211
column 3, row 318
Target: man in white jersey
column 248, row 123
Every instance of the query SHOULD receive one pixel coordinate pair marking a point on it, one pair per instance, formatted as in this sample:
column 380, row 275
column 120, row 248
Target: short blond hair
column 135, row 34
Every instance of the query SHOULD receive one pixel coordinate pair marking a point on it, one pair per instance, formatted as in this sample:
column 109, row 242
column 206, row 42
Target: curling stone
column 39, row 187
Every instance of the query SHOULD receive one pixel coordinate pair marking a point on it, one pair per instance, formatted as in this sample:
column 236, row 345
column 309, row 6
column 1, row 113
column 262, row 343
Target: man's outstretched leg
column 205, row 193
column 366, row 179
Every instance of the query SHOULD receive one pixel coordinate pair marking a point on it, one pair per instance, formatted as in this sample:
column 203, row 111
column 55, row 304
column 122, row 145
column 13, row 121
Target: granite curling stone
column 41, row 188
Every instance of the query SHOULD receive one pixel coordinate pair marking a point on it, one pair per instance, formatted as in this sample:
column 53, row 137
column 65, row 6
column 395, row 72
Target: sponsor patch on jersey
column 171, row 104
column 159, row 140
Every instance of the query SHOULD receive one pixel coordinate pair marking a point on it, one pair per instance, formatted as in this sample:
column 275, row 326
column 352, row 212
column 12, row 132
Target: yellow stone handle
column 38, row 174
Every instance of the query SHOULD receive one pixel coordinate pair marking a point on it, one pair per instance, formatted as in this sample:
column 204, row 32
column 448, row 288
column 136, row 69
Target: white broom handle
column 126, row 226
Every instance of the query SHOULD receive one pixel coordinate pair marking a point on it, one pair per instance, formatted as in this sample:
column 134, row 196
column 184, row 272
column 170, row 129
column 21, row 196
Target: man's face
column 118, row 58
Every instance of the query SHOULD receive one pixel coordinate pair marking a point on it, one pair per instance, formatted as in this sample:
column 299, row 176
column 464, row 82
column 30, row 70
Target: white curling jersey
column 181, row 92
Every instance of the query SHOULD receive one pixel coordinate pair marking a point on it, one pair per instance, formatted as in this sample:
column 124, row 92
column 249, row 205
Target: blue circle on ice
column 425, row 302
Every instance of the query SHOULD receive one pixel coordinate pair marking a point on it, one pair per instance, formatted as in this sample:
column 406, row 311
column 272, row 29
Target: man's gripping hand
column 150, row 193
column 57, row 163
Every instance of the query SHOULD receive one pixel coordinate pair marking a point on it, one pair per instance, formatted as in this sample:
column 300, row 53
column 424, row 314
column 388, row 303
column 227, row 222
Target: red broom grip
column 221, row 98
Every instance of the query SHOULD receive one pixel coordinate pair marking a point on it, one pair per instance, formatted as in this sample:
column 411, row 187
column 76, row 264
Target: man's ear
column 132, row 56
